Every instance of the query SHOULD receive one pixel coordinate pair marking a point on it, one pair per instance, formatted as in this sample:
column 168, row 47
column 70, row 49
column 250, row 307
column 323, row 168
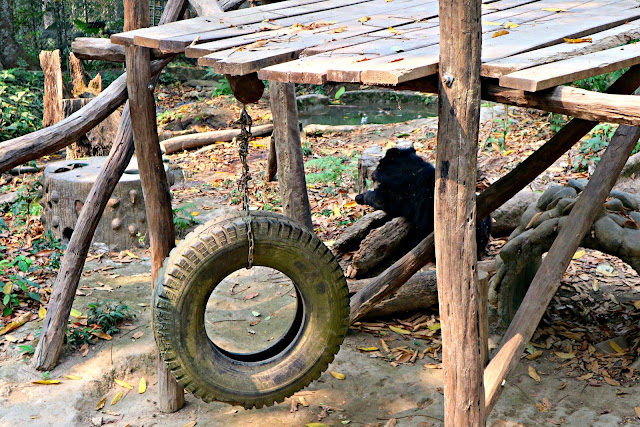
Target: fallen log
column 46, row 141
column 101, row 49
column 350, row 239
column 186, row 142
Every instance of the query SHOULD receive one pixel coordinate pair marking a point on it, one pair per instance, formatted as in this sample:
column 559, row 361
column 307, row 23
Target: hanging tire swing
column 199, row 264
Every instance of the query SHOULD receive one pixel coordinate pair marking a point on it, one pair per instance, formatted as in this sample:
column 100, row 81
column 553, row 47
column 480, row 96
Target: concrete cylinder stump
column 66, row 187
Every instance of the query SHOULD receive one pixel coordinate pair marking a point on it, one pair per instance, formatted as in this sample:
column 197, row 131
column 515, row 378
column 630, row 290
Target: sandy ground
column 372, row 393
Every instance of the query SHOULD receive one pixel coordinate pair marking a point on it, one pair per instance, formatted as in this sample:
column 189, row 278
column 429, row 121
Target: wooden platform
column 387, row 42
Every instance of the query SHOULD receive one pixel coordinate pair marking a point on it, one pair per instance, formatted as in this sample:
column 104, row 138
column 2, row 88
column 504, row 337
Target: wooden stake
column 547, row 279
column 286, row 131
column 455, row 212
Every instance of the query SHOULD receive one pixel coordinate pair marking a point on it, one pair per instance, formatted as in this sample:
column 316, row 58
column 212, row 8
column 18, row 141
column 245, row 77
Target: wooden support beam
column 54, row 326
column 492, row 198
column 195, row 140
column 206, row 7
column 455, row 212
column 286, row 131
column 95, row 48
column 547, row 279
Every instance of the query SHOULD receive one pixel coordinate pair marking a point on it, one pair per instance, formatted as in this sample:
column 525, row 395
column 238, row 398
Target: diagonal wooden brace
column 547, row 279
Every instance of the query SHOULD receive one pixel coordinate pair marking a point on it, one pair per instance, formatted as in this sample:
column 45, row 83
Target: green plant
column 600, row 83
column 591, row 148
column 183, row 219
column 557, row 121
column 46, row 375
column 339, row 93
column 223, row 88
column 307, row 149
column 27, row 350
column 331, row 169
column 108, row 314
column 21, row 103
column 78, row 336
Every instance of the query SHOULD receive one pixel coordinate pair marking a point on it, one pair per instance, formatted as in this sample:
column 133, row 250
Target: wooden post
column 155, row 188
column 455, row 211
column 492, row 198
column 547, row 279
column 286, row 131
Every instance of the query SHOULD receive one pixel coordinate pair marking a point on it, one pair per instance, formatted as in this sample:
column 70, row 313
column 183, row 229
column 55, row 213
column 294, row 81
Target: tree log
column 350, row 239
column 53, row 87
column 547, row 279
column 205, row 7
column 272, row 161
column 187, row 142
column 101, row 49
column 488, row 201
column 380, row 244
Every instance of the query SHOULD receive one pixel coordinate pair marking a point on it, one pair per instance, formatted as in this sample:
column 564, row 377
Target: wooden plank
column 570, row 70
column 521, row 39
column 547, row 280
column 600, row 41
column 206, row 7
column 296, row 37
column 150, row 36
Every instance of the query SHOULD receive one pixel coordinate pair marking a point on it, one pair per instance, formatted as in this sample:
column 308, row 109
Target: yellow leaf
column 142, row 387
column 351, row 204
column 195, row 213
column 492, row 24
column 73, row 377
column 100, row 404
column 47, row 382
column 616, row 347
column 435, row 327
column 637, row 410
column 506, row 153
column 533, row 374
column 579, row 254
column 636, row 304
column 75, row 313
column 116, row 398
column 499, row 33
column 320, row 424
column 11, row 338
column 580, row 40
column 189, row 424
column 364, row 19
column 124, row 384
column 336, row 210
column 534, row 356
column 339, row 30
column 554, row 9
column 337, row 375
column 42, row 312
column 8, row 287
column 562, row 355
column 131, row 254
column 16, row 323
column 399, row 330
column 510, row 25
column 102, row 335
column 368, row 348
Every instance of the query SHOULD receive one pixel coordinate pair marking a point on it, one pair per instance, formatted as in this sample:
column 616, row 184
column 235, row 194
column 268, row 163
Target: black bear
column 406, row 185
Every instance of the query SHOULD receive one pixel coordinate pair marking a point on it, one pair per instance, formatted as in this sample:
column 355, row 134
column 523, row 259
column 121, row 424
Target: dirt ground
column 372, row 393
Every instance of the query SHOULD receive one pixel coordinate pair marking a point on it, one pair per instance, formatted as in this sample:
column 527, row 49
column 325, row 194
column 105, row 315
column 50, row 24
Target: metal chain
column 245, row 122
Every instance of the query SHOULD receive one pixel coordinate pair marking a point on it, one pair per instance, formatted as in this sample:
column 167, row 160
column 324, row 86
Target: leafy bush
column 592, row 147
column 21, row 104
column 108, row 314
column 331, row 169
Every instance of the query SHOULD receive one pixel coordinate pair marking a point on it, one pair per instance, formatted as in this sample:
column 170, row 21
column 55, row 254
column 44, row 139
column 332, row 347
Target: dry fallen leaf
column 534, row 374
column 637, row 410
column 100, row 404
column 142, row 387
column 492, row 24
column 337, row 375
column 562, row 355
column 554, row 9
column 116, row 398
column 124, row 384
column 580, row 40
column 534, row 356
column 16, row 323
column 73, row 377
column 138, row 335
column 46, row 382
column 364, row 19
column 510, row 25
column 579, row 254
column 365, row 349
column 399, row 330
column 102, row 335
column 616, row 347
column 190, row 424
column 499, row 33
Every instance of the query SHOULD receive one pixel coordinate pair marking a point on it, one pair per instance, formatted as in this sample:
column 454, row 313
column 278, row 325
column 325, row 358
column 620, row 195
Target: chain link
column 245, row 122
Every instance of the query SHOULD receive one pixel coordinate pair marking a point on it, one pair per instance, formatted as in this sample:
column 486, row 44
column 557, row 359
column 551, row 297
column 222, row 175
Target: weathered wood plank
column 600, row 41
column 93, row 48
column 150, row 36
column 570, row 70
column 206, row 7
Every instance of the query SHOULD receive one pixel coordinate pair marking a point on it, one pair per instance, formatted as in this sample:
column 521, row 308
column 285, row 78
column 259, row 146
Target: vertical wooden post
column 286, row 131
column 459, row 113
column 547, row 279
column 155, row 188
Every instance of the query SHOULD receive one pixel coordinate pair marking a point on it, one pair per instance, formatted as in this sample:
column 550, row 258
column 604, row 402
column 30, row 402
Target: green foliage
column 307, row 149
column 600, row 83
column 27, row 350
column 27, row 204
column 76, row 337
column 503, row 128
column 183, row 219
column 331, row 169
column 592, row 147
column 557, row 121
column 12, row 279
column 108, row 315
column 339, row 93
column 223, row 88
column 20, row 102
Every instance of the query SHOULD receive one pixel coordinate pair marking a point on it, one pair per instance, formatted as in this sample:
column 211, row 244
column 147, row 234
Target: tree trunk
column 10, row 50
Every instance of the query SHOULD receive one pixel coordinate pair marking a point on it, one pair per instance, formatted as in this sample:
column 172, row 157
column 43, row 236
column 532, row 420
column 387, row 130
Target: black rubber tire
column 208, row 255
